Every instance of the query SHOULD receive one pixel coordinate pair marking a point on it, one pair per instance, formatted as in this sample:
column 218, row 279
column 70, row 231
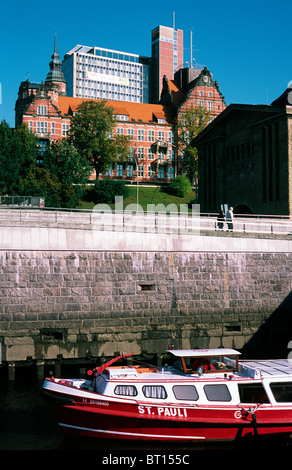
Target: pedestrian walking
column 229, row 219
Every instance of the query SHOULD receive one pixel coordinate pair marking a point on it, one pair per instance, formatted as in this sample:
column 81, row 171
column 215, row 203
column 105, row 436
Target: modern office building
column 167, row 57
column 97, row 73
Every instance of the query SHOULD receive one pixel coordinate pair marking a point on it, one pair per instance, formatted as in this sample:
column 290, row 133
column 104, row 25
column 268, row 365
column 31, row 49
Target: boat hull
column 135, row 421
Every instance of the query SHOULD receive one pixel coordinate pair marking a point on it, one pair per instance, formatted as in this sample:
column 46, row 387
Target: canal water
column 28, row 424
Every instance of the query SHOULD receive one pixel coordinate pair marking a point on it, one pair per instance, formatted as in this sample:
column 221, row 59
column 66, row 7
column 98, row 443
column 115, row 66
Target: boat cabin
column 201, row 361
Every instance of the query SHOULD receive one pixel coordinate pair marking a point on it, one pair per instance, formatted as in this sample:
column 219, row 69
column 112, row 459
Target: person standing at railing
column 220, row 220
column 229, row 219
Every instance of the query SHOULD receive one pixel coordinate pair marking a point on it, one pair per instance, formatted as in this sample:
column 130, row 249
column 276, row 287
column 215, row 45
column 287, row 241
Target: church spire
column 55, row 74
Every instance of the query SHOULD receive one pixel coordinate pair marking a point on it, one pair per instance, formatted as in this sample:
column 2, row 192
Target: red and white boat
column 204, row 394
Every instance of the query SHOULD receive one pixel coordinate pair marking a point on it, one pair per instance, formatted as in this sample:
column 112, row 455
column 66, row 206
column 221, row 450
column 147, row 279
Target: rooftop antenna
column 173, row 16
column 191, row 48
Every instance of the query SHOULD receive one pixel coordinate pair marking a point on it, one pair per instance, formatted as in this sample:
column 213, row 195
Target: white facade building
column 97, row 73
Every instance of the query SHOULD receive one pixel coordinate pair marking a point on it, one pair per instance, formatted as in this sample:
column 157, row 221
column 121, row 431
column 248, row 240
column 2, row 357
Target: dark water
column 27, row 423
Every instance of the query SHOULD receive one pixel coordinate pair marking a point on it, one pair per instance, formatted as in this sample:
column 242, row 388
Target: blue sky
column 245, row 45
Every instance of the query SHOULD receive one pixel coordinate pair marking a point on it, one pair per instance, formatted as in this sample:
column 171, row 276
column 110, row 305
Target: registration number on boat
column 163, row 411
column 95, row 402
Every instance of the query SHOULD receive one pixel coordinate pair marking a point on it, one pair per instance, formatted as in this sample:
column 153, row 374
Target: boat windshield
column 207, row 364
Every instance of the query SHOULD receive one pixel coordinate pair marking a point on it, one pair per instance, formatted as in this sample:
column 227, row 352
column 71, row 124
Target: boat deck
column 266, row 368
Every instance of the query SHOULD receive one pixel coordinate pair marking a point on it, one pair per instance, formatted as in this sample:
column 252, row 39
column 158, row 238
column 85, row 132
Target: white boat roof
column 203, row 352
column 269, row 367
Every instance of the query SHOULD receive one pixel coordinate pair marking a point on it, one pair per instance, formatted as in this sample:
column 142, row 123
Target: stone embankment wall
column 82, row 304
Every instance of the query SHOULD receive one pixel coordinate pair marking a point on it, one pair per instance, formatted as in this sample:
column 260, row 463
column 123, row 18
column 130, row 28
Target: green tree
column 190, row 123
column 39, row 182
column 92, row 134
column 180, row 186
column 18, row 151
column 62, row 177
column 105, row 191
column 70, row 169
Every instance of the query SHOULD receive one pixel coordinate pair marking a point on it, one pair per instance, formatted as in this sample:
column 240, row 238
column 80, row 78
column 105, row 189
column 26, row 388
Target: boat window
column 154, row 391
column 282, row 391
column 185, row 392
column 127, row 390
column 178, row 365
column 211, row 364
column 252, row 393
column 217, row 392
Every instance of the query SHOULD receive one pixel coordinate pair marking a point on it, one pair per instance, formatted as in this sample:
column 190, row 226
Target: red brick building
column 47, row 112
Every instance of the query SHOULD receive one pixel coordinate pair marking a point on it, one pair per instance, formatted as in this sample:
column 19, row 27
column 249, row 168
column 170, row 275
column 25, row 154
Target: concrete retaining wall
column 79, row 304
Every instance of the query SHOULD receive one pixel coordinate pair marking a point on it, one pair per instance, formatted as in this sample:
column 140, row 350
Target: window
column 252, row 393
column 120, row 170
column 282, row 391
column 126, row 390
column 122, row 117
column 42, row 110
column 161, row 172
column 217, row 392
column 185, row 392
column 65, row 129
column 170, row 172
column 53, row 128
column 130, row 170
column 151, row 136
column 140, row 135
column 140, row 152
column 151, row 154
column 154, row 391
column 42, row 127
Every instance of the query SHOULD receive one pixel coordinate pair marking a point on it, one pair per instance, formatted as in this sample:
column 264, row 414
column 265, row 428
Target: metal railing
column 156, row 222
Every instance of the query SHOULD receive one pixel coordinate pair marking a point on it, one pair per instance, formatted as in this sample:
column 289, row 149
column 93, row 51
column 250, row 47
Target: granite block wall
column 89, row 303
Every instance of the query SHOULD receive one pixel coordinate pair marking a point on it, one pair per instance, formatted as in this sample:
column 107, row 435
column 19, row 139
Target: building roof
column 136, row 112
column 55, row 73
column 260, row 112
column 175, row 92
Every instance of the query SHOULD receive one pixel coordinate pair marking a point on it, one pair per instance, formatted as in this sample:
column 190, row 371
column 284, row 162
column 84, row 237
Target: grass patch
column 148, row 195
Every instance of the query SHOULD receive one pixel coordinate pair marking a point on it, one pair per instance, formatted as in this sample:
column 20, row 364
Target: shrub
column 180, row 186
column 104, row 191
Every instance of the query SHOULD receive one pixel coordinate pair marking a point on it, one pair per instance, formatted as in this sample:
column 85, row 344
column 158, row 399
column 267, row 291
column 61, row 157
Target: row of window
column 83, row 92
column 201, row 93
column 107, row 84
column 248, row 393
column 144, row 136
column 143, row 171
column 181, row 392
column 43, row 127
column 95, row 62
column 209, row 104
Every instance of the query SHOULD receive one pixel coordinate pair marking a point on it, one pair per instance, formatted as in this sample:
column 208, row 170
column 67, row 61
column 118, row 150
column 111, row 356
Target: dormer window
column 42, row 110
column 122, row 117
